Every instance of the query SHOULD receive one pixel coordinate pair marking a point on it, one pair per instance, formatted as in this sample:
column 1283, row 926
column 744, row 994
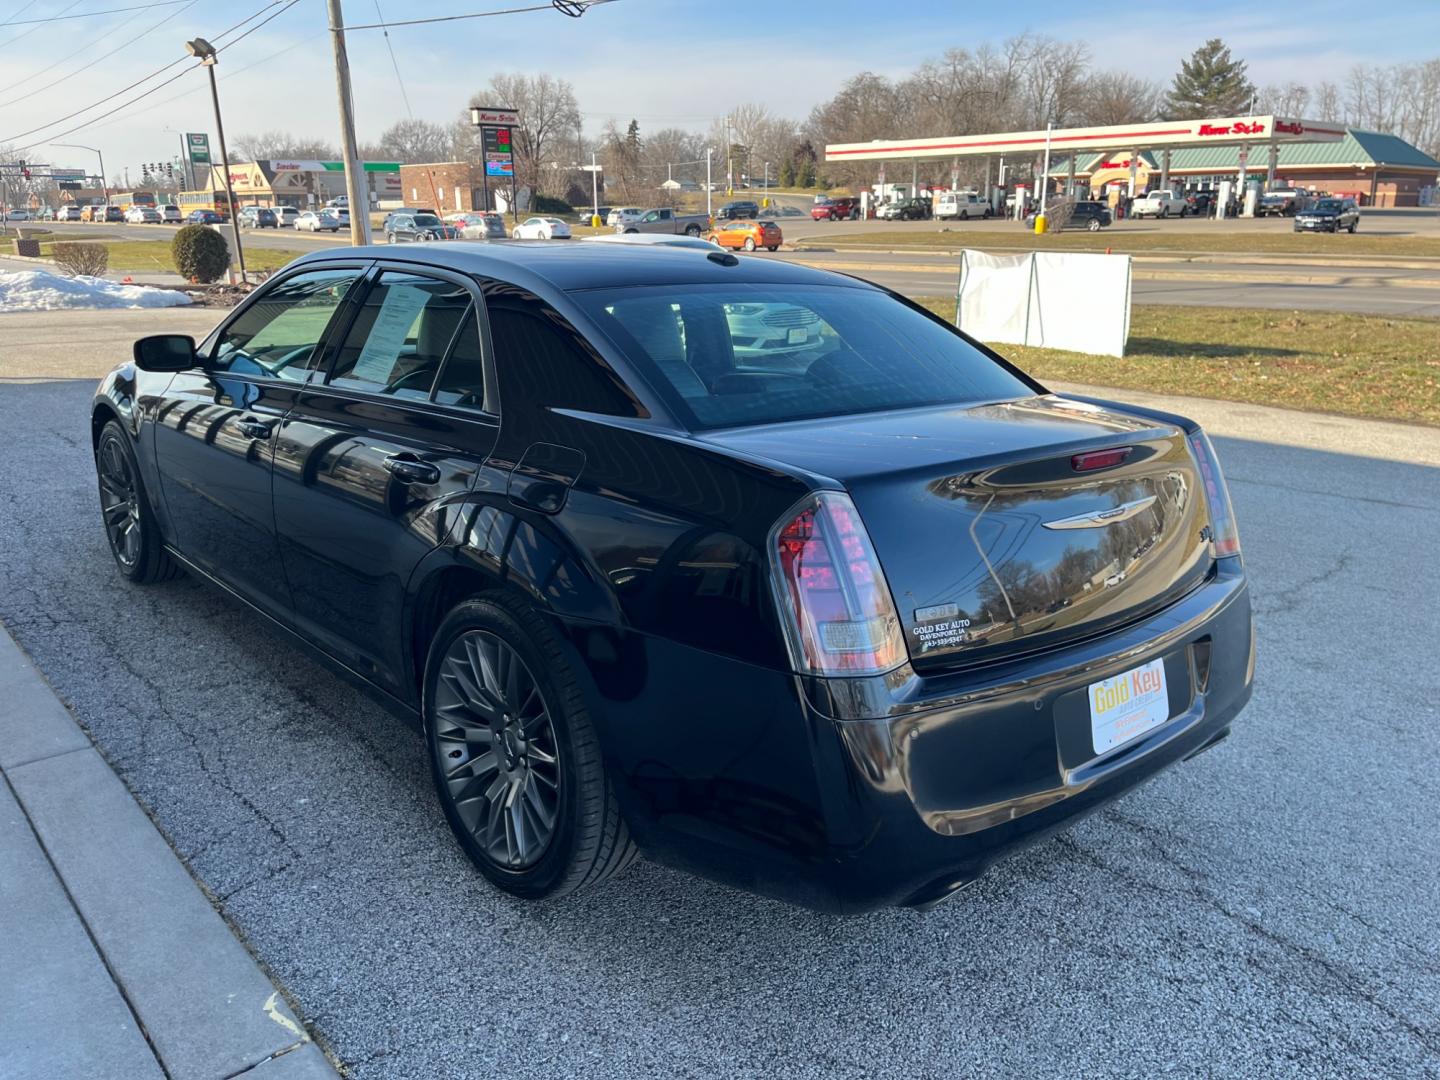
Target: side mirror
column 166, row 352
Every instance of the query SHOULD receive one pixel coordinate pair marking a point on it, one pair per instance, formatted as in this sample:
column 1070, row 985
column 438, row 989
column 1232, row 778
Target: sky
column 664, row 62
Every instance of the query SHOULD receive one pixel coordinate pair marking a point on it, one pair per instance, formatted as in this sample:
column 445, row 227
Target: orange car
column 746, row 234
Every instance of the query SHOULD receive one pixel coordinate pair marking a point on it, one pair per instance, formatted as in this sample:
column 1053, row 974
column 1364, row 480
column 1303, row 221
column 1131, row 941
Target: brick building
column 447, row 186
column 1378, row 169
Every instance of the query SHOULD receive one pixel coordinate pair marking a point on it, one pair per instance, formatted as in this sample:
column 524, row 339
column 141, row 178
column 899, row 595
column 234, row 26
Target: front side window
column 752, row 354
column 401, row 335
column 278, row 335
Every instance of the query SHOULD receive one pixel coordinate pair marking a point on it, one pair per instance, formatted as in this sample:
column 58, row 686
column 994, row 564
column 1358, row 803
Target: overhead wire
column 62, row 17
column 576, row 8
column 146, row 78
column 283, row 6
column 40, row 23
column 87, row 64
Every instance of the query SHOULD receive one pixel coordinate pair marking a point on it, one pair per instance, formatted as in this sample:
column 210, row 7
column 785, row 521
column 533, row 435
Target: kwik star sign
column 1244, row 130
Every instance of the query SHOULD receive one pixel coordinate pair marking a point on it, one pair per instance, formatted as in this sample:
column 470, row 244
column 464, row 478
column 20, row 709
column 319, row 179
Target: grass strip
column 1372, row 366
column 1192, row 241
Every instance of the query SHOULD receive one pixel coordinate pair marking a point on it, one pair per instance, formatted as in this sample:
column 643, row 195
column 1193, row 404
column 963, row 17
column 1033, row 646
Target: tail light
column 1226, row 539
column 835, row 605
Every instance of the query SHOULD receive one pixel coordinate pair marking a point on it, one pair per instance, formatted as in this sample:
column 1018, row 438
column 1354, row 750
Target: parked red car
column 842, row 209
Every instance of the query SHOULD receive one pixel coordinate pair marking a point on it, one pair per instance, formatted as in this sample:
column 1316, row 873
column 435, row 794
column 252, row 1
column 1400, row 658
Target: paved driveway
column 1268, row 909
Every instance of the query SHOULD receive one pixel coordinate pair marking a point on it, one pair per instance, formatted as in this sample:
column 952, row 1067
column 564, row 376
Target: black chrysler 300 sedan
column 761, row 570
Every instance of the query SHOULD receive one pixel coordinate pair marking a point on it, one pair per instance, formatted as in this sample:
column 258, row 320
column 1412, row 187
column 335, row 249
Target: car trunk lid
column 998, row 531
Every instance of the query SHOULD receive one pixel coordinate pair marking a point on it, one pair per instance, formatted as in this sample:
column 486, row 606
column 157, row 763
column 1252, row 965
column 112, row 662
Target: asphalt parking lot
column 1267, row 909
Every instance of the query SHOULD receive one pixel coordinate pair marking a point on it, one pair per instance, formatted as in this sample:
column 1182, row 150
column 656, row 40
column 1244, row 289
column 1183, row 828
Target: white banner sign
column 1047, row 299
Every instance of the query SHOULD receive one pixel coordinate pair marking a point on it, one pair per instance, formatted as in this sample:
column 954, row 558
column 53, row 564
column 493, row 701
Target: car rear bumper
column 941, row 777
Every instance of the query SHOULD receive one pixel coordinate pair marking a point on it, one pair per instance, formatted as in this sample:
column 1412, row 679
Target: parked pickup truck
column 665, row 220
column 1160, row 204
column 1283, row 202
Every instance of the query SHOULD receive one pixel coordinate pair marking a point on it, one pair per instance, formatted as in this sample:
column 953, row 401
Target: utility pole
column 349, row 146
column 203, row 51
column 709, row 187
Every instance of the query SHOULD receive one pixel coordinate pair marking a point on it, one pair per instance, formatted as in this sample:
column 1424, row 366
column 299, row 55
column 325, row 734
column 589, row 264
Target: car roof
column 539, row 265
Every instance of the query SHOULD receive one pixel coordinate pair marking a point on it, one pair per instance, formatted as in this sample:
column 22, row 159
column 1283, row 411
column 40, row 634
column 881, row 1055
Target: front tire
column 514, row 756
column 130, row 525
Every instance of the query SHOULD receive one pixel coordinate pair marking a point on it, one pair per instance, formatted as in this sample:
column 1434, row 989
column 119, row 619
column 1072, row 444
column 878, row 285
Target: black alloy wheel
column 497, row 749
column 130, row 527
column 515, row 760
column 119, row 500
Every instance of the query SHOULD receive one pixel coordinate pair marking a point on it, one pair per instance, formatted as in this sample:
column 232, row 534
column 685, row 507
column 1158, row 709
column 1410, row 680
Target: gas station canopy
column 1246, row 130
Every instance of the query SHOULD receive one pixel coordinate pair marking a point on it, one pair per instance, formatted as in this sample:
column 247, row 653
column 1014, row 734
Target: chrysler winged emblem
column 1100, row 518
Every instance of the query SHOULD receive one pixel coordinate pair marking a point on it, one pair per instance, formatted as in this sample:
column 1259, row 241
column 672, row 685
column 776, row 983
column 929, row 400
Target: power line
column 27, row 22
column 395, row 64
column 576, row 8
column 230, row 74
column 158, row 86
column 141, row 80
column 23, row 8
column 62, row 17
column 88, row 64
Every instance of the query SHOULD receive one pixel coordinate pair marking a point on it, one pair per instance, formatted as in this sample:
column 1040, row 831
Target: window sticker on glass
column 402, row 306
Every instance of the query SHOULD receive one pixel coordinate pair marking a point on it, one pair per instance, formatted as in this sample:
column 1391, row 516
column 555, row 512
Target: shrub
column 545, row 204
column 200, row 253
column 77, row 259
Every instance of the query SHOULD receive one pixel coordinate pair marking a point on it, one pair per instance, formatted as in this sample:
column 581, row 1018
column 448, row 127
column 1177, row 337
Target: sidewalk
column 113, row 964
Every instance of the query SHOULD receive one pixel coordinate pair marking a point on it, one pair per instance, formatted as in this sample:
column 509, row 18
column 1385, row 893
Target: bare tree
column 268, row 145
column 1116, row 97
column 1327, row 102
column 416, row 141
column 548, row 132
column 1284, row 99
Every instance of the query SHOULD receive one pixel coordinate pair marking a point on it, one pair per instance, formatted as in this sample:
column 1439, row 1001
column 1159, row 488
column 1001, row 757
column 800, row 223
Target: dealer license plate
column 1126, row 706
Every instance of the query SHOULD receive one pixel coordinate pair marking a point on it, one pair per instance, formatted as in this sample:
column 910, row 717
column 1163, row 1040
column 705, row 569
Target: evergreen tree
column 807, row 173
column 787, row 173
column 1210, row 83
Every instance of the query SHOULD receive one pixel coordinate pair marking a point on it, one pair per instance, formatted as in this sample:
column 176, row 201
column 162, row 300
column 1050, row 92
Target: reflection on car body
column 750, row 557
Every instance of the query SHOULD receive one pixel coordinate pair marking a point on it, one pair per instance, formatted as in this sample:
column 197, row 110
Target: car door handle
column 409, row 469
column 254, row 429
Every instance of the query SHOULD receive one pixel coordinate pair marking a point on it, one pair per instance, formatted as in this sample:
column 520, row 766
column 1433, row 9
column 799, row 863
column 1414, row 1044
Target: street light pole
column 203, row 51
column 104, row 187
column 594, row 185
column 349, row 145
column 709, row 187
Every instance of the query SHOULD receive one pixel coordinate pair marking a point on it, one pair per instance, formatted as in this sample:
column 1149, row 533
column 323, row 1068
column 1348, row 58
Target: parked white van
column 961, row 204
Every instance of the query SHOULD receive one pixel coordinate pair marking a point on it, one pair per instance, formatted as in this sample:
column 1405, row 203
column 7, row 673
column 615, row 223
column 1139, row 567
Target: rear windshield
column 733, row 355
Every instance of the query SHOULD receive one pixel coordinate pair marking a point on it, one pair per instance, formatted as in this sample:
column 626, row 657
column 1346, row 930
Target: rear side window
column 753, row 354
column 401, row 335
column 543, row 363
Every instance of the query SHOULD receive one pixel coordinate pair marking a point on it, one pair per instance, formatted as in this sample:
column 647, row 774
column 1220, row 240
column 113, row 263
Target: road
column 1265, row 910
column 1380, row 291
column 1412, row 290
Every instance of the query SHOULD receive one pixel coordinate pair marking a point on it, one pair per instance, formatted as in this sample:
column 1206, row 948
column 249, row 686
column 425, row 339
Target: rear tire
column 776, row 247
column 1094, row 225
column 692, row 230
column 130, row 525
column 749, row 243
column 514, row 755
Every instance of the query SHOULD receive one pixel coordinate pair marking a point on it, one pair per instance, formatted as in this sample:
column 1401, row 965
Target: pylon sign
column 198, row 146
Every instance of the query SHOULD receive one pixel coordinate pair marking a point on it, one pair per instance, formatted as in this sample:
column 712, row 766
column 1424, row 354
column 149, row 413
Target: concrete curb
column 156, row 974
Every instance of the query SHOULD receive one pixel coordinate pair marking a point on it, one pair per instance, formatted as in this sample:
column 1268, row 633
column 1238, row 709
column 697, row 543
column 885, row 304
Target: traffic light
column 24, row 170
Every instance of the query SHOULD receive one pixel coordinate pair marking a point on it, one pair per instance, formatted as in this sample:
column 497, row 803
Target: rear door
column 371, row 462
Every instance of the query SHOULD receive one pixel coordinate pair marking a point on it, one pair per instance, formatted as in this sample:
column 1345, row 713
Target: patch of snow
column 39, row 290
